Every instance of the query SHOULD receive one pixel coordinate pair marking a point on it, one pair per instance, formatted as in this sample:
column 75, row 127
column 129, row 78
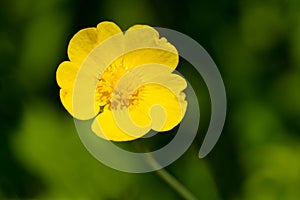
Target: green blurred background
column 256, row 45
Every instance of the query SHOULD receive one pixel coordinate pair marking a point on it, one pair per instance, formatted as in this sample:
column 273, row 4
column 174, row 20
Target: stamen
column 105, row 88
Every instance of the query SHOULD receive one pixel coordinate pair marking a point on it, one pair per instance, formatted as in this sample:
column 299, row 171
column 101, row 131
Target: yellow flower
column 135, row 92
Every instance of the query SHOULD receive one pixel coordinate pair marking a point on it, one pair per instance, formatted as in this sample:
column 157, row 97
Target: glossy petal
column 76, row 107
column 159, row 101
column 66, row 75
column 66, row 97
column 84, row 41
column 165, row 108
column 107, row 128
column 143, row 46
column 106, row 30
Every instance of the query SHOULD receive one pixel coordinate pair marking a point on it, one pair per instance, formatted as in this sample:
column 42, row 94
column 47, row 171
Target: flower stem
column 172, row 181
column 176, row 185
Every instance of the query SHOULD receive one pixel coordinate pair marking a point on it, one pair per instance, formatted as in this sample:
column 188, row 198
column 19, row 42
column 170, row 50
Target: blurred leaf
column 44, row 36
column 273, row 173
column 48, row 144
column 285, row 93
column 261, row 25
column 257, row 124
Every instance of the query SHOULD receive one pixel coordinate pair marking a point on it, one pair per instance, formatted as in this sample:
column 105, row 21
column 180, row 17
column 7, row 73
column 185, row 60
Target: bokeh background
column 256, row 45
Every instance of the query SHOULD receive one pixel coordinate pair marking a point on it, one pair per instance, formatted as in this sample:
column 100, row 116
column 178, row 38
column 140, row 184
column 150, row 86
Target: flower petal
column 165, row 108
column 84, row 41
column 153, row 85
column 106, row 30
column 143, row 46
column 66, row 97
column 106, row 127
column 75, row 108
column 66, row 74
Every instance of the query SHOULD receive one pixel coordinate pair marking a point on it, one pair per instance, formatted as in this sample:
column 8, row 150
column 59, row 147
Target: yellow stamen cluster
column 115, row 99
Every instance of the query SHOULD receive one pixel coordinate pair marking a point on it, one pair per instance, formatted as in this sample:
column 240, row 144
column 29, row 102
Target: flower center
column 106, row 94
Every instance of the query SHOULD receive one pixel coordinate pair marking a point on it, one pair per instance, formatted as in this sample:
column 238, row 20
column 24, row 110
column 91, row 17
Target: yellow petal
column 165, row 107
column 84, row 41
column 153, row 84
column 76, row 109
column 106, row 30
column 66, row 74
column 107, row 128
column 143, row 46
column 66, row 97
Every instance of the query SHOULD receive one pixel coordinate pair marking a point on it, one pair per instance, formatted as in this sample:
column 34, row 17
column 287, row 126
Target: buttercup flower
column 128, row 78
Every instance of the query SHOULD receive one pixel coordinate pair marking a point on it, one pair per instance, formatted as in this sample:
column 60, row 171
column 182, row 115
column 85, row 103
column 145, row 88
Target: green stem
column 172, row 181
column 176, row 185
